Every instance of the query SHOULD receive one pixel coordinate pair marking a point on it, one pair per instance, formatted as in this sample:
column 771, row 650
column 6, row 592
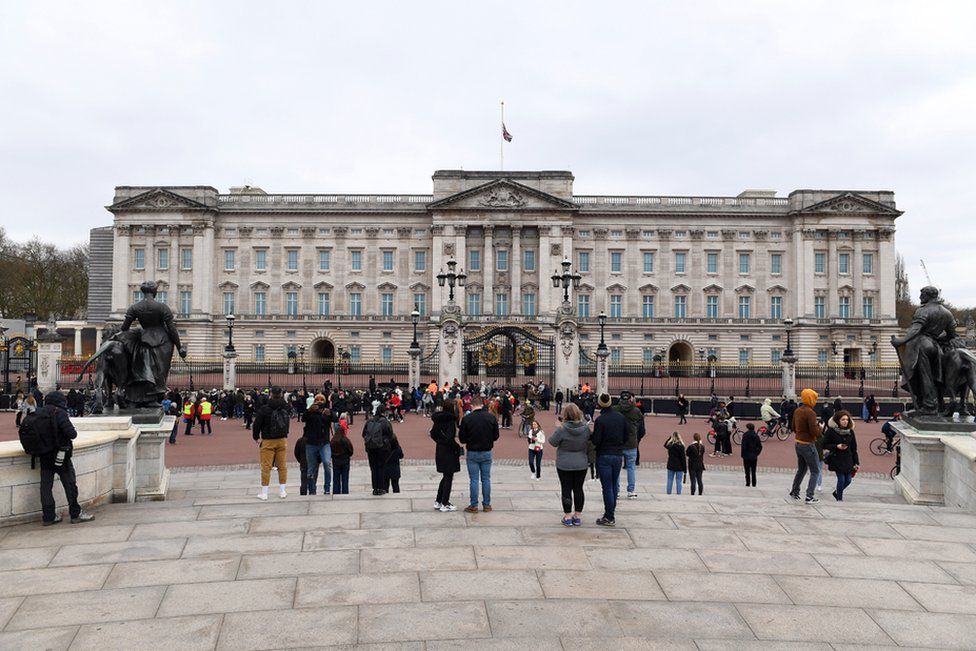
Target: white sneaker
column 282, row 494
column 447, row 508
column 531, row 475
column 437, row 506
column 819, row 489
column 631, row 496
column 262, row 496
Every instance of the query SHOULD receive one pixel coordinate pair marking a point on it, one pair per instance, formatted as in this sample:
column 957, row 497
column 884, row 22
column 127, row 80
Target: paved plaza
column 740, row 568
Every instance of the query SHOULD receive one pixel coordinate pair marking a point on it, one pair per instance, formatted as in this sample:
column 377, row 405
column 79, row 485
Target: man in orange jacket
column 807, row 429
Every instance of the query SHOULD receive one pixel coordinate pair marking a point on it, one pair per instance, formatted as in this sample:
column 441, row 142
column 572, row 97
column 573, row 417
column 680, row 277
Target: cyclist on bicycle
column 889, row 431
column 768, row 414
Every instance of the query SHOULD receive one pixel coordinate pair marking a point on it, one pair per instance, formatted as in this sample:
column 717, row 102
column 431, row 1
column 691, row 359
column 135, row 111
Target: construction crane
column 925, row 269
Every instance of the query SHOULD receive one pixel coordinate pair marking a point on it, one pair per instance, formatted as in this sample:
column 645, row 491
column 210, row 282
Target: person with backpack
column 447, row 454
column 751, row 449
column 377, row 439
column 271, row 431
column 318, row 451
column 47, row 434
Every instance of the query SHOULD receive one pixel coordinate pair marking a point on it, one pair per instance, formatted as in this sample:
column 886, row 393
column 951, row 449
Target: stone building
column 679, row 277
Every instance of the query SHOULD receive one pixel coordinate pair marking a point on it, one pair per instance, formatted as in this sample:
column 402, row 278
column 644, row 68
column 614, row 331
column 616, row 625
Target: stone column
column 122, row 269
column 515, row 264
column 488, row 273
column 544, row 264
column 451, row 344
column 414, row 369
column 48, row 357
column 77, row 349
column 789, row 376
column 230, row 370
column 602, row 370
column 98, row 339
column 567, row 353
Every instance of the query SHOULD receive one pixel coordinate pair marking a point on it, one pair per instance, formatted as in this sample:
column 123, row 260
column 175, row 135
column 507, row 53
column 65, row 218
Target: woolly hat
column 603, row 401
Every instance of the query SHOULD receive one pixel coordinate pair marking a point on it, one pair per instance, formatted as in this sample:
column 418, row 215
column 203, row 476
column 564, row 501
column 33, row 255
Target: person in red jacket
column 204, row 412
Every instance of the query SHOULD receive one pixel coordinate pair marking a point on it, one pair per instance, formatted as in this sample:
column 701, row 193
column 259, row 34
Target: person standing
column 609, row 438
column 806, row 429
column 840, row 442
column 318, row 425
column 342, row 452
column 682, row 409
column 571, row 440
column 696, row 464
column 677, row 461
column 559, row 401
column 391, row 468
column 751, row 448
column 50, row 424
column 447, row 454
column 635, row 432
column 537, row 440
column 205, row 412
column 248, row 411
column 378, row 441
column 271, row 431
column 302, row 459
column 479, row 431
column 505, row 410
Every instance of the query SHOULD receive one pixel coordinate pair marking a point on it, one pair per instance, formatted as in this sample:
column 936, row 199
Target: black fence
column 829, row 380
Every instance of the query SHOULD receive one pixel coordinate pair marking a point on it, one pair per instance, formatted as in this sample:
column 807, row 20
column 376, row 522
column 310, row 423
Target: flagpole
column 501, row 144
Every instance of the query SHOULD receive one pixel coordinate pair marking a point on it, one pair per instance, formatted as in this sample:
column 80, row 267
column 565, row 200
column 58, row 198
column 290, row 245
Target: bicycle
column 896, row 469
column 879, row 447
column 779, row 430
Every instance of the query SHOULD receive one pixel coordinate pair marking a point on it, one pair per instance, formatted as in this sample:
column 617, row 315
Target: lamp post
column 453, row 278
column 339, row 356
column 415, row 317
column 788, row 324
column 229, row 348
column 301, row 357
column 566, row 279
column 602, row 318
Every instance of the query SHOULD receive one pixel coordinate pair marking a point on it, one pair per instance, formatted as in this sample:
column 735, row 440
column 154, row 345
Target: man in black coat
column 378, row 442
column 479, row 431
column 609, row 438
column 54, row 414
column 271, row 424
column 751, row 449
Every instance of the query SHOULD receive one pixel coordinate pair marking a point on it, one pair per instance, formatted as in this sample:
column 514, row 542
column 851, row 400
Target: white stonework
column 328, row 271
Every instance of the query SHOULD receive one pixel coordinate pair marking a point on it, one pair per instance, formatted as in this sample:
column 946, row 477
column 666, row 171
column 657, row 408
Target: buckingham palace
column 678, row 278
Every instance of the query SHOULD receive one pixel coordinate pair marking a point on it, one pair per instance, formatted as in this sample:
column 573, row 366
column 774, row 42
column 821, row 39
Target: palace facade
column 679, row 277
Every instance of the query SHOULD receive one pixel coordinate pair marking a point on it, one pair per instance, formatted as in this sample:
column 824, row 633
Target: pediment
column 355, row 285
column 322, row 285
column 745, row 289
column 713, row 289
column 846, row 288
column 586, row 287
column 419, row 287
column 776, row 289
column 227, row 285
column 848, row 203
column 617, row 287
column 681, row 288
column 648, row 288
column 502, row 194
column 291, row 284
column 257, row 284
column 386, row 287
column 158, row 199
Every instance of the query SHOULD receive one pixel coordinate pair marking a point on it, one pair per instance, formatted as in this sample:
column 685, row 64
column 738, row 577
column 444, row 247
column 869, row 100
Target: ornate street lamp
column 602, row 317
column 301, row 353
column 415, row 317
column 453, row 277
column 566, row 279
column 788, row 323
column 230, row 334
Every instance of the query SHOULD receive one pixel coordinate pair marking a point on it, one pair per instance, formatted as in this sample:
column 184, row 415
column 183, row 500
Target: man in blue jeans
column 318, row 425
column 635, row 432
column 478, row 432
column 609, row 438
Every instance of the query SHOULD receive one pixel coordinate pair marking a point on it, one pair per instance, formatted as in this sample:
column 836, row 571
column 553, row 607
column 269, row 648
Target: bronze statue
column 133, row 364
column 922, row 352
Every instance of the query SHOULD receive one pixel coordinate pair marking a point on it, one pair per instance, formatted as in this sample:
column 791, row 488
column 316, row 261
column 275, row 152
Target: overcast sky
column 686, row 98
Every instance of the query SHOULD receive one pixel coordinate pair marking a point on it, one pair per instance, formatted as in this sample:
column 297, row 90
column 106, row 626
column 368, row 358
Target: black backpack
column 278, row 422
column 39, row 433
column 373, row 437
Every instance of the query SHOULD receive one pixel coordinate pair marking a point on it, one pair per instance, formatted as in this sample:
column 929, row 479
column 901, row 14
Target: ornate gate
column 19, row 362
column 508, row 355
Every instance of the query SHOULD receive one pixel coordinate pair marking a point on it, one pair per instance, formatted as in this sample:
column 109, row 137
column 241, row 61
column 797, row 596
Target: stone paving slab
column 357, row 589
column 266, row 566
column 142, row 573
column 890, row 569
column 228, row 597
column 938, row 598
column 322, row 626
column 803, row 624
column 731, row 588
column 931, row 630
column 423, row 621
column 751, row 562
column 139, row 550
column 853, row 593
column 195, row 632
column 630, row 585
column 21, row 583
column 480, row 585
column 567, row 618
column 682, row 621
column 110, row 605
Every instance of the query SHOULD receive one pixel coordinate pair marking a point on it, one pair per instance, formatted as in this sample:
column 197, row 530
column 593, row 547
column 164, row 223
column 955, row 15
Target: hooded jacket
column 805, row 423
column 571, row 440
column 262, row 421
column 840, row 461
column 57, row 403
column 635, row 422
column 766, row 412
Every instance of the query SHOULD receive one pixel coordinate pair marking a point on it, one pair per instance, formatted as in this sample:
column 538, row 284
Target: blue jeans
column 535, row 462
column 340, row 479
column 630, row 460
column 316, row 454
column 608, row 468
column 675, row 475
column 843, row 481
column 807, row 460
column 479, row 470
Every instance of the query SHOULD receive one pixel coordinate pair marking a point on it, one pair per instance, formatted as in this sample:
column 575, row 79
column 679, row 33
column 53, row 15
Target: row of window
column 355, row 353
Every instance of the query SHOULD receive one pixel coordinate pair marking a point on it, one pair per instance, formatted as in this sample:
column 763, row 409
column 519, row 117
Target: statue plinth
column 935, row 424
column 139, row 415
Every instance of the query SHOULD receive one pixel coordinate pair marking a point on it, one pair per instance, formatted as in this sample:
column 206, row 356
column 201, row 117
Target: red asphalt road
column 231, row 444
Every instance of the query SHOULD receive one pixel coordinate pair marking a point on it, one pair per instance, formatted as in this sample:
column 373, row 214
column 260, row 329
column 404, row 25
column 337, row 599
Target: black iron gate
column 508, row 355
column 19, row 362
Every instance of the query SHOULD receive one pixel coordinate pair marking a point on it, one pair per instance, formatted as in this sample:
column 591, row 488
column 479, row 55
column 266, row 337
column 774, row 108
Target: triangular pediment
column 648, row 288
column 847, row 203
column 713, row 289
column 681, row 288
column 745, row 289
column 502, row 194
column 776, row 289
column 158, row 199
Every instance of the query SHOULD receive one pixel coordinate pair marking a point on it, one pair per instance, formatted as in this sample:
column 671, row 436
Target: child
column 392, row 468
column 342, row 452
column 537, row 438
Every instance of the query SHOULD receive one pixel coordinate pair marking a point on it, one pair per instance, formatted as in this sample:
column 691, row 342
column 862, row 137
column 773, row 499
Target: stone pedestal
column 48, row 357
column 451, row 344
column 413, row 372
column 230, row 370
column 567, row 351
column 789, row 376
column 937, row 468
column 602, row 370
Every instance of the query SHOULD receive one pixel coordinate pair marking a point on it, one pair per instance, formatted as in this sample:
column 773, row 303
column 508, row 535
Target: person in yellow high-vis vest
column 205, row 412
column 188, row 417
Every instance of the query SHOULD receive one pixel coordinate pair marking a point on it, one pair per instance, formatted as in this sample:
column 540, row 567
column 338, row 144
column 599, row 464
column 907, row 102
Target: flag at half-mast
column 505, row 134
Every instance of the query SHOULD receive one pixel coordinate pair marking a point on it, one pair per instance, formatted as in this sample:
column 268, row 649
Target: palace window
column 616, row 355
column 744, row 263
column 501, row 304
column 474, row 304
column 162, row 259
column 356, row 260
column 291, row 303
column 474, row 260
column 680, row 307
column 745, row 305
column 139, row 259
column 583, row 305
column 819, row 262
column 324, row 304
column 711, row 307
column 528, row 305
column 844, row 307
column 776, row 264
column 325, row 260
column 355, row 353
column 387, row 260
column 186, row 302
column 774, row 356
column 356, row 304
column 292, row 258
column 528, row 257
column 616, row 306
column 386, row 304
column 258, row 352
column 648, row 262
column 867, row 307
column 420, row 303
column 162, row 296
column 822, row 356
column 743, row 357
column 584, row 261
column 844, row 263
column 616, row 261
column 229, row 303
column 261, row 260
column 775, row 307
column 679, row 262
column 386, row 354
column 711, row 262
column 647, row 356
column 819, row 307
column 186, row 259
column 868, row 263
column 230, row 260
column 501, row 260
column 420, row 261
column 647, row 306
